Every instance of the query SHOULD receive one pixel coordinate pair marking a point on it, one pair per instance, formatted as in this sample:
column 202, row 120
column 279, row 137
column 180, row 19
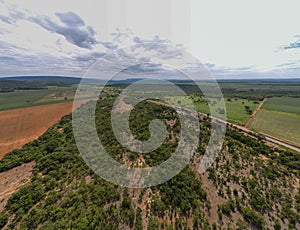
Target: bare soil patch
column 122, row 106
column 12, row 180
column 20, row 126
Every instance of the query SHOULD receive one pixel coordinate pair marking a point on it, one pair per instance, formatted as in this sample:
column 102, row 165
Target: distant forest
column 11, row 84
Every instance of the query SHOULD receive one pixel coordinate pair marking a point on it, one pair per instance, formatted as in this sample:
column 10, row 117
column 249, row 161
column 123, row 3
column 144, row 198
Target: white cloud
column 235, row 34
column 236, row 37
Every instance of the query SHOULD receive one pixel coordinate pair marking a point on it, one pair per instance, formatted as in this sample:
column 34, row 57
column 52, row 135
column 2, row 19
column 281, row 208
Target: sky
column 232, row 38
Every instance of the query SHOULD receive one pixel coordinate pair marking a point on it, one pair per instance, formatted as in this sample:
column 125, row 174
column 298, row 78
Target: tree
column 277, row 225
column 253, row 218
column 3, row 219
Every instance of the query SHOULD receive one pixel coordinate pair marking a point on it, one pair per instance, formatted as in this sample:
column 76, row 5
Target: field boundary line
column 246, row 131
column 282, row 112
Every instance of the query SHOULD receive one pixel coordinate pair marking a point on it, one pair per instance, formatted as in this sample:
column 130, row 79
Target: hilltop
column 250, row 185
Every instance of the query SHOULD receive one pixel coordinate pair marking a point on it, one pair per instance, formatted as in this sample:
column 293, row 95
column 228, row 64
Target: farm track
column 20, row 126
column 254, row 113
column 271, row 140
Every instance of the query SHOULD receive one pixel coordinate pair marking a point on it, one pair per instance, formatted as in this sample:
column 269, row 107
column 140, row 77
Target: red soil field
column 20, row 126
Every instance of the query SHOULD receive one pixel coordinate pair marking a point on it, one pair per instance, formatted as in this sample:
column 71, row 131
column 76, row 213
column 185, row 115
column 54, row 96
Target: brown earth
column 20, row 126
column 12, row 180
column 254, row 113
column 122, row 106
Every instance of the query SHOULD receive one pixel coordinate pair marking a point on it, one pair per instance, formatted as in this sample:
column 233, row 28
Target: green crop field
column 27, row 98
column 279, row 117
column 236, row 112
column 235, row 108
column 278, row 124
column 283, row 104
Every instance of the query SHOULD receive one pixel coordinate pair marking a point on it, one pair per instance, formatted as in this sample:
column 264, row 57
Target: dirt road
column 254, row 113
column 243, row 129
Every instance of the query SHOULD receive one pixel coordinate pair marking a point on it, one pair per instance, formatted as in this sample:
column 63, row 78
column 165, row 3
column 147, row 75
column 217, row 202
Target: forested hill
column 250, row 186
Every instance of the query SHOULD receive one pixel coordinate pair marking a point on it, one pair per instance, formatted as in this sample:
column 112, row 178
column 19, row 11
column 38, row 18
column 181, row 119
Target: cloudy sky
column 233, row 38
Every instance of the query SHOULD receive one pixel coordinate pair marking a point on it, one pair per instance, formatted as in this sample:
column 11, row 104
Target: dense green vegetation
column 259, row 89
column 245, row 89
column 255, row 184
column 140, row 117
column 10, row 86
column 45, row 80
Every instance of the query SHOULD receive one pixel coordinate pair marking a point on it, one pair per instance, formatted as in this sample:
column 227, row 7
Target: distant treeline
column 236, row 89
column 10, row 86
column 246, row 89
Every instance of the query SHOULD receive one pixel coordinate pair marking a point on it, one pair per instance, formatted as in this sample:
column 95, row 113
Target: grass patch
column 27, row 98
column 235, row 108
column 278, row 124
column 283, row 104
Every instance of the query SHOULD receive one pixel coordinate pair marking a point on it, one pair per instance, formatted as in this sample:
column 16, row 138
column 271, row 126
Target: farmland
column 278, row 124
column 20, row 126
column 241, row 190
column 283, row 104
column 29, row 98
column 235, row 108
column 279, row 117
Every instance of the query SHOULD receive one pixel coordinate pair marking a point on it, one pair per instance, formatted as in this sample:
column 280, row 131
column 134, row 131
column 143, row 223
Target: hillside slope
column 250, row 185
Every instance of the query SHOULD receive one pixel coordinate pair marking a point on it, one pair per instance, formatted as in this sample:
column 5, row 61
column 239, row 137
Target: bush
column 3, row 219
column 253, row 218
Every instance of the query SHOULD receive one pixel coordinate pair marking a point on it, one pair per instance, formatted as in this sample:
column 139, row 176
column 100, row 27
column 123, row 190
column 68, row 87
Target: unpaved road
column 254, row 113
column 247, row 131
